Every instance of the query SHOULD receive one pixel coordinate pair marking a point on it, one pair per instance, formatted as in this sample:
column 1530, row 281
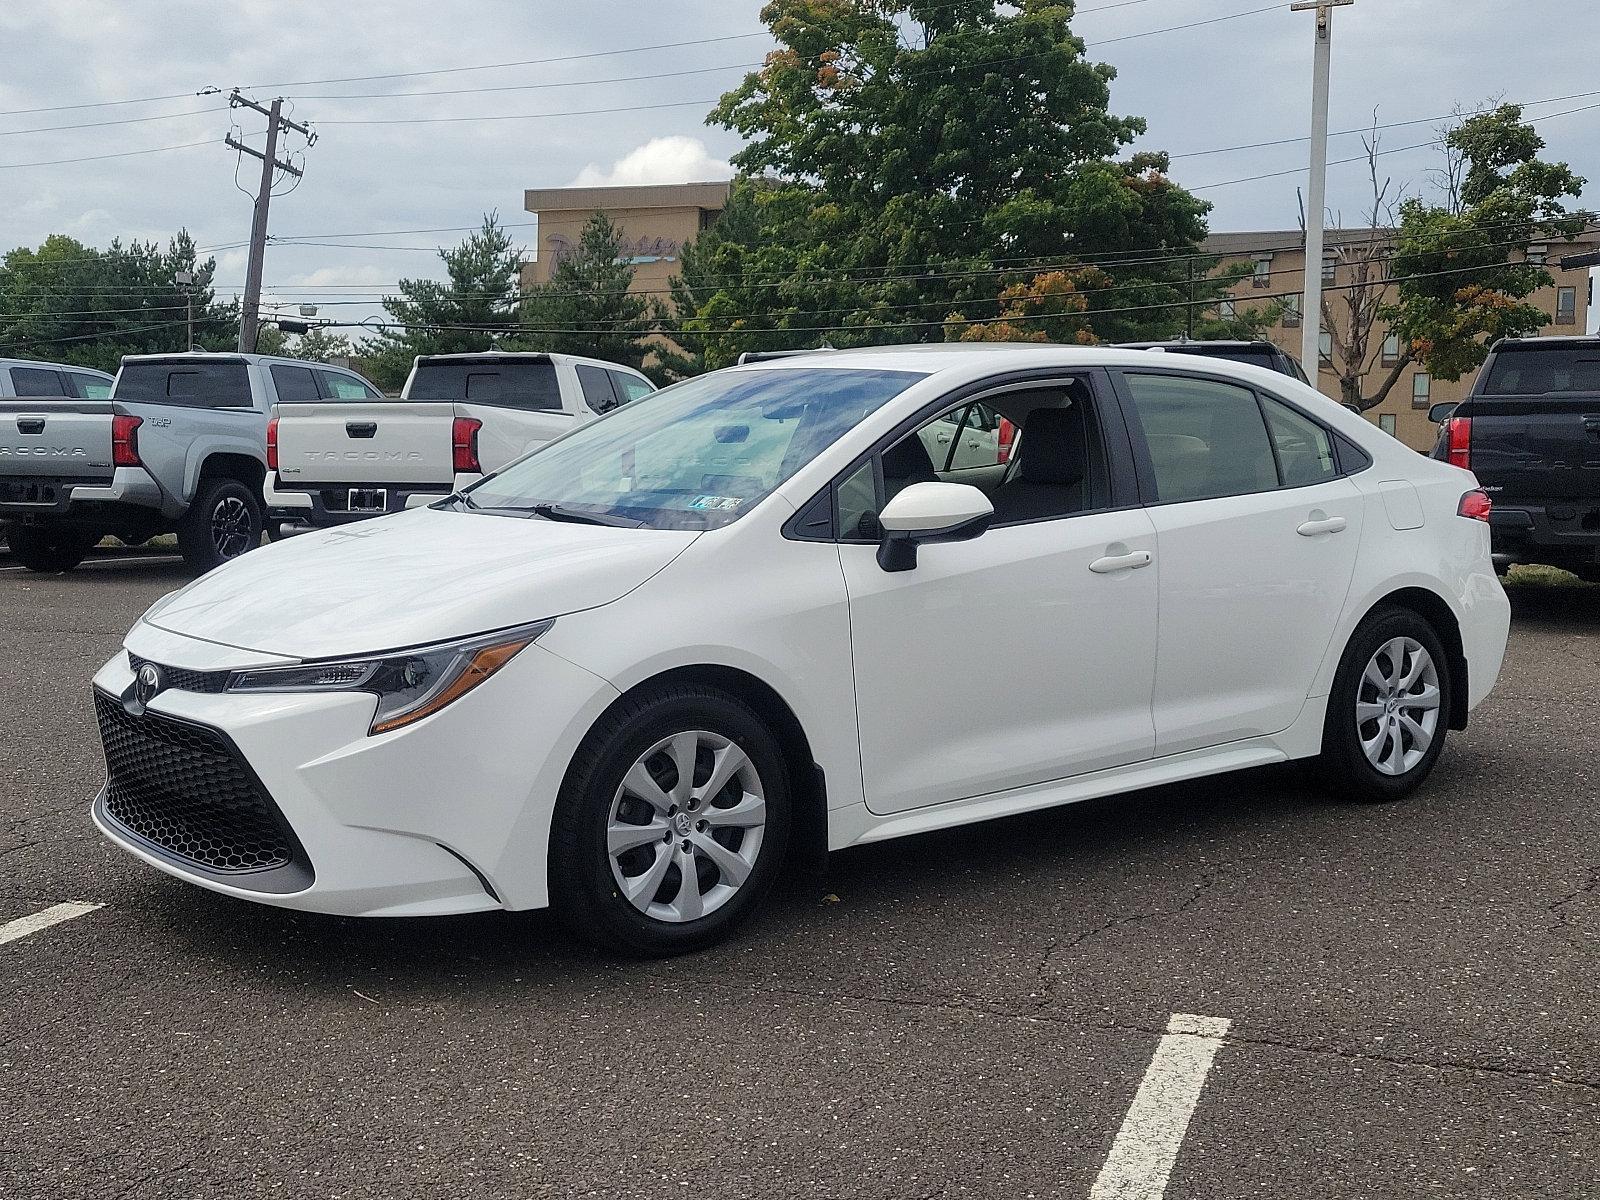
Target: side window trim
column 1115, row 433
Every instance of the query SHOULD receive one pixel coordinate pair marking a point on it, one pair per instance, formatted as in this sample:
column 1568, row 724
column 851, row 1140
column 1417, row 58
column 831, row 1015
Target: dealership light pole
column 1317, row 186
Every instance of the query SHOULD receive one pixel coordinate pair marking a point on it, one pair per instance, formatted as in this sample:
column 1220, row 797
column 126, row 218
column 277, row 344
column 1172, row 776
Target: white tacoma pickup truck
column 459, row 417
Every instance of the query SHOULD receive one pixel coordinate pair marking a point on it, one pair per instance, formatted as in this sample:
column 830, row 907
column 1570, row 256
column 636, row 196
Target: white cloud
column 660, row 160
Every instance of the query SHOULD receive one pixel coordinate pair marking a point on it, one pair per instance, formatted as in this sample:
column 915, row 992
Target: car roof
column 1200, row 347
column 939, row 358
column 42, row 365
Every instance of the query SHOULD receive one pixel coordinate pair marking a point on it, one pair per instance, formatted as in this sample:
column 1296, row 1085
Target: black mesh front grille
column 184, row 680
column 183, row 789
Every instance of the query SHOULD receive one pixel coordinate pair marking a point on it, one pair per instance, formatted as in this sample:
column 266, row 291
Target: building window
column 1291, row 312
column 1538, row 255
column 1225, row 310
column 1325, row 346
column 1262, row 276
column 1421, row 389
column 1567, row 306
column 1329, row 262
column 1386, row 423
column 1391, row 350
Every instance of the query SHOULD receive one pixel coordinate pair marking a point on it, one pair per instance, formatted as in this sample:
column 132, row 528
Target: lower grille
column 183, row 789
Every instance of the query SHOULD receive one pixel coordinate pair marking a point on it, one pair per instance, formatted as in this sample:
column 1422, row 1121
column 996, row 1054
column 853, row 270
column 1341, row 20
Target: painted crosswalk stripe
column 1146, row 1147
column 54, row 915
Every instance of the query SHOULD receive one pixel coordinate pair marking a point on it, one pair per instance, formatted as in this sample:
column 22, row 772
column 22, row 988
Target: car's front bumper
column 448, row 815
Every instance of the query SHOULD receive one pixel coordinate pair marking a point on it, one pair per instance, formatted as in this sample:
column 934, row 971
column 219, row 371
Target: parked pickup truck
column 24, row 377
column 1530, row 431
column 459, row 417
column 179, row 446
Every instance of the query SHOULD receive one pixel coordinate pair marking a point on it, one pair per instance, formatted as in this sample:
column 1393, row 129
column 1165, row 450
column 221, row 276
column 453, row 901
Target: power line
column 591, row 112
column 56, row 162
column 193, row 112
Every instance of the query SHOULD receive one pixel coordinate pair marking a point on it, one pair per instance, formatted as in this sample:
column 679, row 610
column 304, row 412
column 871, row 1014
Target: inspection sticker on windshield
column 714, row 502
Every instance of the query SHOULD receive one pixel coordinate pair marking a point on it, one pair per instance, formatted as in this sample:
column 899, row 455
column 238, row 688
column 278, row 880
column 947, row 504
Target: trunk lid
column 368, row 443
column 57, row 438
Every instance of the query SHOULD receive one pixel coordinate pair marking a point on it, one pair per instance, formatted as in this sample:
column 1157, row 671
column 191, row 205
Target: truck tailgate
column 1536, row 449
column 377, row 444
column 61, row 439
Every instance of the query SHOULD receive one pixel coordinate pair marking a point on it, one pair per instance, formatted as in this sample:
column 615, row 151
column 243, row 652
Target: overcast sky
column 1242, row 80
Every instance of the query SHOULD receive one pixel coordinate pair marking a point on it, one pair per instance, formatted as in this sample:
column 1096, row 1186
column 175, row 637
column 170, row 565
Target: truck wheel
column 223, row 522
column 50, row 549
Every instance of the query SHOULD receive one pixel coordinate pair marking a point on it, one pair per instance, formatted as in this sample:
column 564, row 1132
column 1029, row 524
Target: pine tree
column 587, row 308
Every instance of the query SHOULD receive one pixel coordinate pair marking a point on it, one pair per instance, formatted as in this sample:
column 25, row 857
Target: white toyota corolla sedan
column 762, row 611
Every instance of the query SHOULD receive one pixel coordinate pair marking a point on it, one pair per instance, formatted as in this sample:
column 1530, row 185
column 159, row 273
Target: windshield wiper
column 559, row 512
column 462, row 500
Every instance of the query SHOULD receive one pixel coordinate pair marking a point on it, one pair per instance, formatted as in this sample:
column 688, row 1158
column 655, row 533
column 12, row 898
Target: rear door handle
column 1324, row 525
column 1121, row 562
column 361, row 429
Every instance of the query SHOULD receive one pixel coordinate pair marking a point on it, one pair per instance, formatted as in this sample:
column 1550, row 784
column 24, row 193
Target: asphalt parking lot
column 1411, row 990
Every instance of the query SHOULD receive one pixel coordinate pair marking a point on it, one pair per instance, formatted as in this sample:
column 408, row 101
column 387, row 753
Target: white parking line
column 1141, row 1159
column 54, row 915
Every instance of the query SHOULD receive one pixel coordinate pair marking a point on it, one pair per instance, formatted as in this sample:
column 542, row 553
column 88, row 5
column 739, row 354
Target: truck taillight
column 1007, row 439
column 125, row 441
column 1475, row 506
column 272, row 444
column 464, row 443
column 1458, row 441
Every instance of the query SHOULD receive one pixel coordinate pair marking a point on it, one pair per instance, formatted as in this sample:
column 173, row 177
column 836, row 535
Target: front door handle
column 1121, row 562
column 1321, row 525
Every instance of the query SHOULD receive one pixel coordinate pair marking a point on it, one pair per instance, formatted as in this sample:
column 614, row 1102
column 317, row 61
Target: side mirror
column 930, row 512
column 1440, row 413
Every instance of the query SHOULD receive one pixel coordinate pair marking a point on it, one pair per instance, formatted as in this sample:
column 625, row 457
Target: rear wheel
column 223, row 522
column 1388, row 710
column 50, row 549
column 671, row 825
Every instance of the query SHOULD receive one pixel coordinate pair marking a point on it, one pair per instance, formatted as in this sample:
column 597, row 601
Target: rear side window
column 1539, row 370
column 294, row 383
column 197, row 384
column 1304, row 448
column 345, row 387
column 1207, row 438
column 89, row 387
column 598, row 393
column 513, row 384
column 629, row 387
column 34, row 381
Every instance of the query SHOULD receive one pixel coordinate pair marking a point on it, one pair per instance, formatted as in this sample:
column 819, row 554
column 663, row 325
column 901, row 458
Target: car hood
column 413, row 578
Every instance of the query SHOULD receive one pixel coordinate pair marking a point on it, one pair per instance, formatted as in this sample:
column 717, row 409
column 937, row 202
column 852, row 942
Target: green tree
column 69, row 302
column 919, row 157
column 1460, row 262
column 318, row 345
column 586, row 307
column 467, row 312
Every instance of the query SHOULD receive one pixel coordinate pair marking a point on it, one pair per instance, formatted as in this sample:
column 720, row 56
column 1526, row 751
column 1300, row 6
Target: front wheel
column 1388, row 710
column 223, row 522
column 671, row 825
column 50, row 549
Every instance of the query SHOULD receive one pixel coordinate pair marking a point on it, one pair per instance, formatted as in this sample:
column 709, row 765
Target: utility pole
column 185, row 282
column 1316, row 201
column 250, row 317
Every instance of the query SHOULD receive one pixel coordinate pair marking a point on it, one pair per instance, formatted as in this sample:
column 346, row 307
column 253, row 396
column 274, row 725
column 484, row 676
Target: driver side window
column 1037, row 453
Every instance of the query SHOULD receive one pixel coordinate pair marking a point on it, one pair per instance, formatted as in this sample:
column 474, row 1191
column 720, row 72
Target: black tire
column 50, row 549
column 584, row 891
column 1344, row 768
column 223, row 522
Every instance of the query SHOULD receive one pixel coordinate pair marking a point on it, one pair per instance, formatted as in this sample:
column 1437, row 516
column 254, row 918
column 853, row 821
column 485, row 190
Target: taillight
column 464, row 443
column 1475, row 506
column 272, row 444
column 1008, row 437
column 1458, row 440
column 125, row 441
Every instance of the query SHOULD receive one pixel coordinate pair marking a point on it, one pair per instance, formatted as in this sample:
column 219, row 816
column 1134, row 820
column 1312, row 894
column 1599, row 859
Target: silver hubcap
column 1397, row 706
column 686, row 825
column 231, row 527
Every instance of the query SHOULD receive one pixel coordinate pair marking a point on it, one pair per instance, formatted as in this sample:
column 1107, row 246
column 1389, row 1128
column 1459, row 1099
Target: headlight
column 409, row 684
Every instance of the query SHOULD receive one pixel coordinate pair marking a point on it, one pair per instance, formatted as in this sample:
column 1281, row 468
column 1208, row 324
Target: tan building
column 1277, row 261
column 655, row 221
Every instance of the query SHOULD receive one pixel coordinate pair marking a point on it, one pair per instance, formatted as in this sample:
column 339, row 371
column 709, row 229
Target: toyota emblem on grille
column 147, row 684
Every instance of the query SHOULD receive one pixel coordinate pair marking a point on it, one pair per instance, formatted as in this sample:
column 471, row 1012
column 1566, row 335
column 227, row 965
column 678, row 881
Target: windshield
column 697, row 455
